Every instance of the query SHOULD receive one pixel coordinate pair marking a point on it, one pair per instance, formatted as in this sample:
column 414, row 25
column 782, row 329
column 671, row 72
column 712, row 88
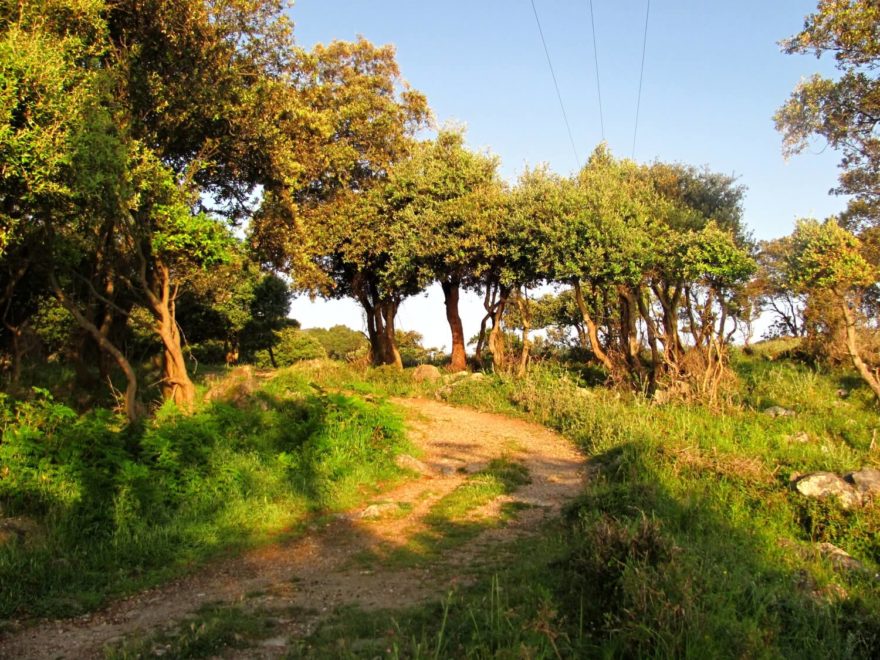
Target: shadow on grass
column 656, row 572
column 642, row 570
column 122, row 508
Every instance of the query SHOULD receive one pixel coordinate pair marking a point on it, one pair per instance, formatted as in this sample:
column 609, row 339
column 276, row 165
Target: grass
column 211, row 631
column 119, row 509
column 689, row 540
column 454, row 519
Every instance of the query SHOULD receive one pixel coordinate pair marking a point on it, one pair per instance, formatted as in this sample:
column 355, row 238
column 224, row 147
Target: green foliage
column 842, row 110
column 126, row 508
column 293, row 345
column 341, row 342
column 826, row 256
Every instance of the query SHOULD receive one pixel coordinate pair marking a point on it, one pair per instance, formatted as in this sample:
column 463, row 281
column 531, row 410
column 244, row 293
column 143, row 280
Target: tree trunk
column 451, row 290
column 852, row 348
column 592, row 330
column 670, row 302
column 175, row 384
column 132, row 410
column 523, row 304
column 651, row 327
column 496, row 340
column 391, row 355
column 489, row 306
column 17, row 354
column 629, row 333
column 380, row 330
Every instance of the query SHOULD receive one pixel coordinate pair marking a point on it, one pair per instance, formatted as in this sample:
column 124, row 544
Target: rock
column 478, row 375
column 455, row 377
column 275, row 642
column 378, row 510
column 840, row 558
column 779, row 411
column 801, row 438
column 866, row 482
column 820, row 485
column 407, row 462
column 842, row 393
column 426, row 372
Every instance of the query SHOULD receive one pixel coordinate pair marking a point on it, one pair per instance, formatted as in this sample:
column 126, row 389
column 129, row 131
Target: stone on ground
column 840, row 558
column 426, row 372
column 866, row 481
column 407, row 462
column 779, row 411
column 821, row 485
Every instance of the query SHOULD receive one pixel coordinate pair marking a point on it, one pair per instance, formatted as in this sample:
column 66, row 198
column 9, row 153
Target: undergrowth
column 689, row 540
column 111, row 509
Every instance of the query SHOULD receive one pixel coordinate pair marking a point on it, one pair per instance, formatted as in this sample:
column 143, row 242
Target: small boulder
column 426, row 372
column 779, row 411
column 801, row 438
column 378, row 510
column 820, row 485
column 840, row 558
column 866, row 481
column 407, row 462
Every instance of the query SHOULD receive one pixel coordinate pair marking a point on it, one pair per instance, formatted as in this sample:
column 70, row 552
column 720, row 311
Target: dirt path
column 304, row 580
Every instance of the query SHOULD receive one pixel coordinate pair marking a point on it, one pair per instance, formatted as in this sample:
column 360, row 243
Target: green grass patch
column 117, row 509
column 452, row 520
column 690, row 540
column 213, row 630
column 511, row 611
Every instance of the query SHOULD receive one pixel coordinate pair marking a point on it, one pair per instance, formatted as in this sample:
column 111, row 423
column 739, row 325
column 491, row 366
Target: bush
column 294, row 345
column 210, row 351
column 125, row 507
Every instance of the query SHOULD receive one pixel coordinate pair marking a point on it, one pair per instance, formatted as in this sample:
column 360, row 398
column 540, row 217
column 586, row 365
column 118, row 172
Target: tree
column 449, row 193
column 335, row 227
column 341, row 342
column 844, row 111
column 774, row 291
column 826, row 258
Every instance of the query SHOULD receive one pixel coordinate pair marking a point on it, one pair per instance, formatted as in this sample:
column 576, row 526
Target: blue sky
column 714, row 76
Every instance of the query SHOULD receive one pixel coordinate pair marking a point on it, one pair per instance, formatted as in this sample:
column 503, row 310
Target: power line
column 641, row 78
column 596, row 60
column 556, row 85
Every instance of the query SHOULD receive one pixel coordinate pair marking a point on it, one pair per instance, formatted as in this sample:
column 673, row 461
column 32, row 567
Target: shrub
column 294, row 345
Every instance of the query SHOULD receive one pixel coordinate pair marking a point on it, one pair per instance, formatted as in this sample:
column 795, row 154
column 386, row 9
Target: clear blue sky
column 713, row 78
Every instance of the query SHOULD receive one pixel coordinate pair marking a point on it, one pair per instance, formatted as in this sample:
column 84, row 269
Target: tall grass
column 114, row 508
column 689, row 539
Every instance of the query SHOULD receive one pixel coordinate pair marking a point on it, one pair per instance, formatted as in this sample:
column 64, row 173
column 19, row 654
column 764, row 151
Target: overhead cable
column 596, row 60
column 556, row 86
column 641, row 78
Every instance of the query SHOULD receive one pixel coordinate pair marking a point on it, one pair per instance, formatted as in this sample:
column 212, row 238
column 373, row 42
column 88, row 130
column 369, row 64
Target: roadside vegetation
column 93, row 508
column 172, row 173
column 688, row 540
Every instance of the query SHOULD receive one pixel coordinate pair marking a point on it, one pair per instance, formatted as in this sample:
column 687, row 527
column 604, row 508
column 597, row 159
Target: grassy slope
column 119, row 509
column 689, row 540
